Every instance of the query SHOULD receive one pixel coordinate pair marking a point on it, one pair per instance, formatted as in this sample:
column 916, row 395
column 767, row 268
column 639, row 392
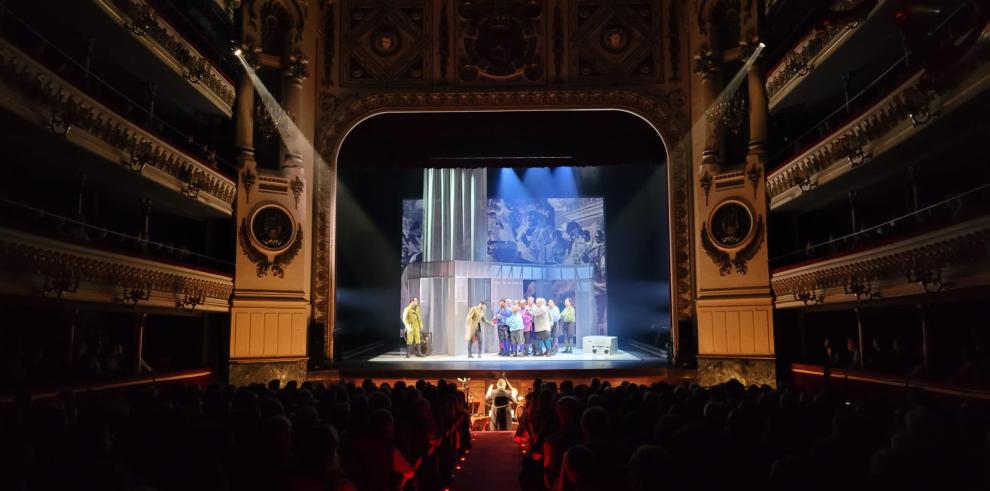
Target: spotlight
column 238, row 52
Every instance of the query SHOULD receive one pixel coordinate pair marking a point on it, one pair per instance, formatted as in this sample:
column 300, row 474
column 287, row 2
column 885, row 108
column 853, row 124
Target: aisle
column 494, row 463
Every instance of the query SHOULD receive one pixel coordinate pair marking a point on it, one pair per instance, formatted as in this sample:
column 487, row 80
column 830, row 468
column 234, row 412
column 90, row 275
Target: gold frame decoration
column 268, row 259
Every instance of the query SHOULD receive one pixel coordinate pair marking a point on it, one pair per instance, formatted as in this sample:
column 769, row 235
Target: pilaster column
column 707, row 67
column 244, row 120
column 759, row 113
column 296, row 72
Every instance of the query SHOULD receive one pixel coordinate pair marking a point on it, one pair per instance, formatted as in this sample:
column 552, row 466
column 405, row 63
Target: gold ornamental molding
column 35, row 93
column 141, row 20
column 64, row 270
column 664, row 111
column 928, row 261
column 894, row 119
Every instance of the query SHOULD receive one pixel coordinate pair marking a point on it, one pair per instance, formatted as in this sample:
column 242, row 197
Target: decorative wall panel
column 616, row 41
column 386, row 43
column 501, row 41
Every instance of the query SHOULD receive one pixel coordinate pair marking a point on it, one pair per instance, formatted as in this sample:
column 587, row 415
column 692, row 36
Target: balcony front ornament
column 810, row 296
column 807, row 182
column 857, row 157
column 190, row 182
column 140, row 156
column 189, row 301
column 863, row 291
column 61, row 121
column 58, row 285
column 931, row 280
column 133, row 295
column 143, row 20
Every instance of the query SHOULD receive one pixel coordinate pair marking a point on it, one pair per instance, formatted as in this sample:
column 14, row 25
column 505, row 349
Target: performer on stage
column 501, row 398
column 515, row 323
column 541, row 327
column 472, row 327
column 567, row 319
column 413, row 328
column 502, row 315
column 527, row 318
column 554, row 325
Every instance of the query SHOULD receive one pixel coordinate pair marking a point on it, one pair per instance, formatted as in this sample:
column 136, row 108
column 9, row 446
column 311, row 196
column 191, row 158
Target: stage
column 555, row 360
column 628, row 363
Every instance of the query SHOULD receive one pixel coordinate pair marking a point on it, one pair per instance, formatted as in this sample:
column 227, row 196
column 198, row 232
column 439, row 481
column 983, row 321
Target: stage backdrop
column 553, row 248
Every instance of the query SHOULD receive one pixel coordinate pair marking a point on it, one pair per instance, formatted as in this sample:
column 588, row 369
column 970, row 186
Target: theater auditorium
column 434, row 245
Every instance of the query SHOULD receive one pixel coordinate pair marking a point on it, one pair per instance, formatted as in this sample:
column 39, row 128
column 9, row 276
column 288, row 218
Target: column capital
column 297, row 68
column 705, row 64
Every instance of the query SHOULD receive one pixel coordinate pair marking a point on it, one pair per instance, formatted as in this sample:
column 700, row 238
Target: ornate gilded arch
column 664, row 111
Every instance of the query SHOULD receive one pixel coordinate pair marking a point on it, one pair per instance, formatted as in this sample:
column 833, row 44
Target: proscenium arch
column 664, row 113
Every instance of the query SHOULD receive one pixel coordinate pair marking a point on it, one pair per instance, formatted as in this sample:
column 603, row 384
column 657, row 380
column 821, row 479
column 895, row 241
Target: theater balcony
column 41, row 266
column 146, row 42
column 881, row 139
column 834, row 44
column 116, row 148
column 953, row 257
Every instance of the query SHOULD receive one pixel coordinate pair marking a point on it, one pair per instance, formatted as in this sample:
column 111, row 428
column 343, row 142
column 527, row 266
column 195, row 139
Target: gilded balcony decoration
column 38, row 95
column 47, row 267
column 928, row 262
column 140, row 18
column 897, row 117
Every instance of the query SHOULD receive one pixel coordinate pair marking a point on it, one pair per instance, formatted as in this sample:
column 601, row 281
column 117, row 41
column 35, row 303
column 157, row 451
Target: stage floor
column 488, row 358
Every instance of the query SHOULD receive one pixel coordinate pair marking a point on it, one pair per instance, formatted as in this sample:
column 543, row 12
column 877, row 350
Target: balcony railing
column 930, row 262
column 37, row 265
column 38, row 95
column 165, row 42
column 894, row 119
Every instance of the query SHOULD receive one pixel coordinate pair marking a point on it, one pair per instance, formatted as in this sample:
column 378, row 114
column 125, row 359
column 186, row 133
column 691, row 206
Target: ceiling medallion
column 615, row 39
column 385, row 42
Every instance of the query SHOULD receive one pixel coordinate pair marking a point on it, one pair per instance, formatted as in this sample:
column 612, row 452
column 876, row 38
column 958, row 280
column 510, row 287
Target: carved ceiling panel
column 616, row 41
column 386, row 42
column 501, row 41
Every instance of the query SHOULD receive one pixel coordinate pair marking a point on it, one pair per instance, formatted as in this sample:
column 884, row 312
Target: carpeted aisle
column 494, row 462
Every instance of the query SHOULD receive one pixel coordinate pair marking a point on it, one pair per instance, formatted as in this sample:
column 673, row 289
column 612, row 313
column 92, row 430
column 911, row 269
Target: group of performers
column 527, row 327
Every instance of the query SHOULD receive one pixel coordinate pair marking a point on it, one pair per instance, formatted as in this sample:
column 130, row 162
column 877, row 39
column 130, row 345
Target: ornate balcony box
column 904, row 113
column 41, row 266
column 34, row 93
column 791, row 80
column 189, row 69
column 943, row 259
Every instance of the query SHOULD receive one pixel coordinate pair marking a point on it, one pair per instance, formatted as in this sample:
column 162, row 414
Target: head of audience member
column 595, row 424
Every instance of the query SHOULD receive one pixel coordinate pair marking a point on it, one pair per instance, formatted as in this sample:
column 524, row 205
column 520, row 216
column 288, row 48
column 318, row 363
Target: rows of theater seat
column 729, row 436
